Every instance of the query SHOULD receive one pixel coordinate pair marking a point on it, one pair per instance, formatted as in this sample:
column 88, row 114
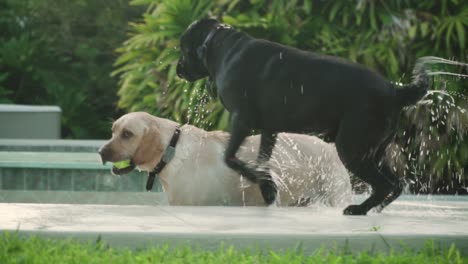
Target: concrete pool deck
column 407, row 221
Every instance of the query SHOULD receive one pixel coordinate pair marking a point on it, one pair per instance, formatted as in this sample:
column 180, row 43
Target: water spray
column 437, row 60
column 437, row 120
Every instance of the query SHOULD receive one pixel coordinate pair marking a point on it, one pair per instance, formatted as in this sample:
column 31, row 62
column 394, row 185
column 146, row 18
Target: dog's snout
column 180, row 68
column 105, row 154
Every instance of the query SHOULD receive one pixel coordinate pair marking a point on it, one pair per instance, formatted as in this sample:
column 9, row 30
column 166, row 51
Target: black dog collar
column 166, row 158
column 201, row 51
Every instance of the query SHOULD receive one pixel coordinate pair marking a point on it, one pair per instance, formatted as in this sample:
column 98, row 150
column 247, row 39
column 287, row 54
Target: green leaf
column 308, row 6
column 334, row 10
column 4, row 76
column 393, row 62
column 448, row 34
column 461, row 34
column 412, row 32
column 424, row 29
column 372, row 17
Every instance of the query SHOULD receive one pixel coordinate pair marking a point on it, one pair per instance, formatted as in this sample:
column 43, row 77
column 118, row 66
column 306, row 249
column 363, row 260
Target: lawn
column 18, row 249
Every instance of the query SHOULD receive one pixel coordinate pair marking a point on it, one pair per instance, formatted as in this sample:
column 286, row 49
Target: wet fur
column 275, row 88
column 198, row 175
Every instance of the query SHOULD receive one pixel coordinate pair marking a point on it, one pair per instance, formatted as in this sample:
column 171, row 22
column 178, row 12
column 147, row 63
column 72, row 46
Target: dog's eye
column 127, row 134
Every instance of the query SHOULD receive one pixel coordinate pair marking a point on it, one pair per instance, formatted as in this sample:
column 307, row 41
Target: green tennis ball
column 122, row 164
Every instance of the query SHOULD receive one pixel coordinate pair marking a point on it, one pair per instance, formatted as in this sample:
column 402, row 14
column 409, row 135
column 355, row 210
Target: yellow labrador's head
column 135, row 137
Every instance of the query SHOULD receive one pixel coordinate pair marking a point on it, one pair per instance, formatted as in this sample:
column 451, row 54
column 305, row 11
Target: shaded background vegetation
column 62, row 52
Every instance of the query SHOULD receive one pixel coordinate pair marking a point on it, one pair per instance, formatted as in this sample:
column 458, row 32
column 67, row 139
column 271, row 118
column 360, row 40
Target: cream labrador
column 305, row 169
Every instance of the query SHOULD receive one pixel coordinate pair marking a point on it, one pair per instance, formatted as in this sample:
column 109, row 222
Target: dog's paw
column 269, row 191
column 354, row 210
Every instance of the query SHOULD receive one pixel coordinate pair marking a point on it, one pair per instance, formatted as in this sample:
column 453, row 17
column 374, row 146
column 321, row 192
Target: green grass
column 17, row 249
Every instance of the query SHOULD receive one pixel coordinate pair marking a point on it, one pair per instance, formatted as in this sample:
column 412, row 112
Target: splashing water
column 437, row 60
column 427, row 153
column 197, row 110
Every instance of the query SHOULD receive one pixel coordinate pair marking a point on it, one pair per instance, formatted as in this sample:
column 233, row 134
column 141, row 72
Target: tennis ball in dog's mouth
column 122, row 164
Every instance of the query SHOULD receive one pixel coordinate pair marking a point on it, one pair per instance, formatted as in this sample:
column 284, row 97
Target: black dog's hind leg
column 389, row 176
column 267, row 185
column 360, row 145
column 385, row 189
column 397, row 190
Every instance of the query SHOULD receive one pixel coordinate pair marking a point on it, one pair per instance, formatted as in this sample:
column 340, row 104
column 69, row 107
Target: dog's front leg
column 267, row 143
column 267, row 185
column 239, row 131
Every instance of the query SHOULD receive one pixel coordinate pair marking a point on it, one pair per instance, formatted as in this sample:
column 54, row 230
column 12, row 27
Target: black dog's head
column 190, row 66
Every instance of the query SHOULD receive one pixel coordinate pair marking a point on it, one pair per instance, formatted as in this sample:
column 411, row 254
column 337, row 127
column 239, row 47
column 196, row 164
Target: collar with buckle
column 201, row 51
column 166, row 158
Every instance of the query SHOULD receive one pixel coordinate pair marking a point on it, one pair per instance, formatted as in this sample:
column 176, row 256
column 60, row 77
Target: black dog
column 276, row 88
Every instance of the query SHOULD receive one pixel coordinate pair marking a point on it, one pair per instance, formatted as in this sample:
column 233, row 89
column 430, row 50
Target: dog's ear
column 150, row 147
column 208, row 22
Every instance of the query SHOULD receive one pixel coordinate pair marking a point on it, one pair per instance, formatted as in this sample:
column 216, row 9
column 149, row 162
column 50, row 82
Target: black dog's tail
column 411, row 93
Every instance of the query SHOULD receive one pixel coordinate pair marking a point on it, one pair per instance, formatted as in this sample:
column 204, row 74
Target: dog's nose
column 104, row 153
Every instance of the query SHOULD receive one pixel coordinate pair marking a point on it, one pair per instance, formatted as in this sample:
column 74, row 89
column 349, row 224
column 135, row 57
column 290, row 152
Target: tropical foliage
column 61, row 53
column 387, row 36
